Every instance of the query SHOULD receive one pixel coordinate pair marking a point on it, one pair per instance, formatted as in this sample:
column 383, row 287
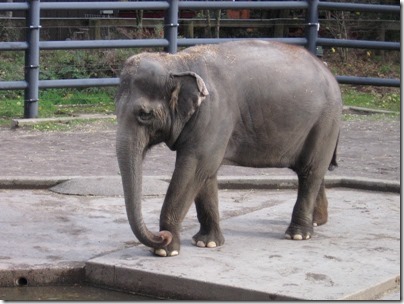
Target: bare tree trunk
column 340, row 29
column 139, row 23
column 218, row 14
column 208, row 33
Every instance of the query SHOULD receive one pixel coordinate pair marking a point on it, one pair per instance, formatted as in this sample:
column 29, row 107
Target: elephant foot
column 298, row 232
column 165, row 253
column 210, row 244
column 319, row 218
column 208, row 240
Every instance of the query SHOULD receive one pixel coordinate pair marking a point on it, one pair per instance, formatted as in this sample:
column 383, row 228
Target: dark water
column 60, row 293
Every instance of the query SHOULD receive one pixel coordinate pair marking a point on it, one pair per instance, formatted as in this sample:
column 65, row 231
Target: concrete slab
column 50, row 238
column 109, row 186
column 157, row 185
column 47, row 237
column 355, row 256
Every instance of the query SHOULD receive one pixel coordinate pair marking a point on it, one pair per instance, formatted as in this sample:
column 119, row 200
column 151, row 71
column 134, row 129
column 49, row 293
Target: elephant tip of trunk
column 166, row 237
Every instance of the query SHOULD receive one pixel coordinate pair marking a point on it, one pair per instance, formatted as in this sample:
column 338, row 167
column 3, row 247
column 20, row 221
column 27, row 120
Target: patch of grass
column 10, row 108
column 70, row 125
column 390, row 101
column 63, row 64
column 61, row 102
column 73, row 102
column 372, row 117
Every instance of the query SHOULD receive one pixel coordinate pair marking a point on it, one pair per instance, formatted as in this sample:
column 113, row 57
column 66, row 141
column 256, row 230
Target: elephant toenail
column 211, row 244
column 298, row 237
column 200, row 244
column 174, row 253
column 314, row 224
column 160, row 252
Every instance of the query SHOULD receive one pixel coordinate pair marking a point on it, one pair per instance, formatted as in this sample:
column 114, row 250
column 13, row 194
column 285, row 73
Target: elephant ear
column 188, row 92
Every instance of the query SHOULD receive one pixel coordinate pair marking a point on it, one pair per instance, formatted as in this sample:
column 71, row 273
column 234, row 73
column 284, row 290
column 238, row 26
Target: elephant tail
column 334, row 163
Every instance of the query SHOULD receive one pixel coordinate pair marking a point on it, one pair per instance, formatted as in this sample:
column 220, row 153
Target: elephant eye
column 145, row 116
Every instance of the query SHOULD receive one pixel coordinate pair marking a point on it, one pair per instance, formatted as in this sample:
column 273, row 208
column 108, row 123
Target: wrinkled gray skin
column 250, row 103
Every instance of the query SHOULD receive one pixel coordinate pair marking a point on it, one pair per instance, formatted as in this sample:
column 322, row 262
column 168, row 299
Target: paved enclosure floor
column 356, row 255
column 52, row 238
column 367, row 148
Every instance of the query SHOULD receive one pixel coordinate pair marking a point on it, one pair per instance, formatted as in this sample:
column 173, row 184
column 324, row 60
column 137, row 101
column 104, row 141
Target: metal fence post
column 312, row 26
column 171, row 26
column 32, row 60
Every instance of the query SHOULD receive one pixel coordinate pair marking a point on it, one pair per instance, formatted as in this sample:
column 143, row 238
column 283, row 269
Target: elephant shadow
column 262, row 228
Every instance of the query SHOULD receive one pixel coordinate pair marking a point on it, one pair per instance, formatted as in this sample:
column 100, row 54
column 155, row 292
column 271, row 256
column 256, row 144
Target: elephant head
column 153, row 104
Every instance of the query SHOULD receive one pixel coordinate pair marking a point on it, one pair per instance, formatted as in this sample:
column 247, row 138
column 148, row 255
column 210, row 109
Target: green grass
column 73, row 102
column 65, row 64
column 61, row 126
column 60, row 103
column 373, row 117
column 389, row 101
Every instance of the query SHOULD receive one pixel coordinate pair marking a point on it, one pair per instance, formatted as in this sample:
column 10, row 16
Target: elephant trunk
column 130, row 153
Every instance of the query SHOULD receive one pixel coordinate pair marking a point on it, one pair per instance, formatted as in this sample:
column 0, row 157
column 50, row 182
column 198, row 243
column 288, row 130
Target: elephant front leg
column 174, row 209
column 207, row 209
column 183, row 188
column 301, row 226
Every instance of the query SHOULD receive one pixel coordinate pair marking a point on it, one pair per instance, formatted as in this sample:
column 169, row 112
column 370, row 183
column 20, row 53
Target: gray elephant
column 248, row 103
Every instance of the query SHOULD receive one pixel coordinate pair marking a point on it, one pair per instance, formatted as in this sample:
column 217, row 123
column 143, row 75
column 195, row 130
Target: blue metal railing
column 32, row 46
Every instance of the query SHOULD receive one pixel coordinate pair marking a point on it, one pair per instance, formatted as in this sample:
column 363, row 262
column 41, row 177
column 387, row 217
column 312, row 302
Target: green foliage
column 61, row 103
column 68, row 64
column 68, row 125
column 11, row 69
column 373, row 100
column 76, row 64
column 70, row 102
column 10, row 108
column 391, row 101
column 8, row 30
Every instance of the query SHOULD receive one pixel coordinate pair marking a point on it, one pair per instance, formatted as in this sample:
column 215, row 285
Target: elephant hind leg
column 301, row 226
column 311, row 205
column 320, row 213
column 207, row 208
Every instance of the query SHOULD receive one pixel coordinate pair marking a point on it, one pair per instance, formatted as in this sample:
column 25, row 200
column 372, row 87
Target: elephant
column 250, row 103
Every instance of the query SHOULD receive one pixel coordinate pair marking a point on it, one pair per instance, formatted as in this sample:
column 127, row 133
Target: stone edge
column 226, row 182
column 16, row 123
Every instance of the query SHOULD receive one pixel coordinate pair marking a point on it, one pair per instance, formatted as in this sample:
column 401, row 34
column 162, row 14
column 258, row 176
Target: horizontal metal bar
column 13, row 46
column 93, row 44
column 96, row 44
column 384, row 82
column 160, row 5
column 195, row 41
column 13, row 85
column 103, row 82
column 14, row 6
column 86, row 44
column 202, row 5
column 150, row 5
column 61, row 83
column 365, row 44
column 78, row 83
column 243, row 4
column 377, row 8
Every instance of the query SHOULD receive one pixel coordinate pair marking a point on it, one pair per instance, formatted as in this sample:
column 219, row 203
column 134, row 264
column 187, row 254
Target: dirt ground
column 368, row 148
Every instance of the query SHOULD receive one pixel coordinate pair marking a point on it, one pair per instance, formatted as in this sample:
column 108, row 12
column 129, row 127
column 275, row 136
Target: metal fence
column 171, row 42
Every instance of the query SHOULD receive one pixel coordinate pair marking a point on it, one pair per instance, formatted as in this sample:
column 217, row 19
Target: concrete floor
column 50, row 238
